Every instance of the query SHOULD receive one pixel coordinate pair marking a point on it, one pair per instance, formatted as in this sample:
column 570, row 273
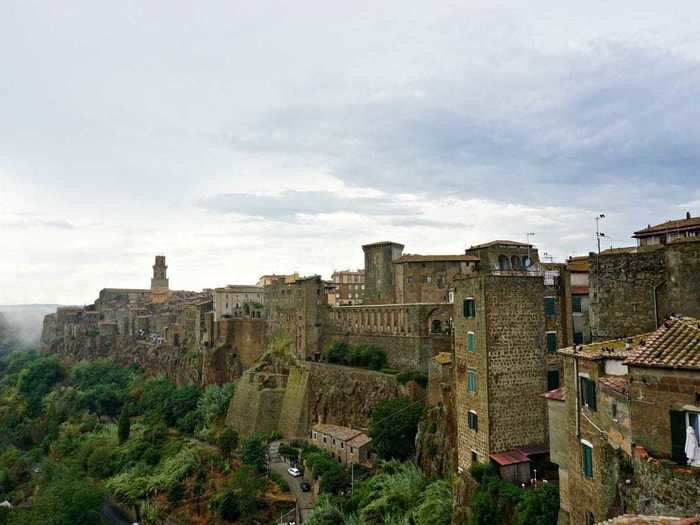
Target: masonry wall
column 379, row 272
column 622, row 292
column 516, row 364
column 428, row 281
column 683, row 278
column 654, row 393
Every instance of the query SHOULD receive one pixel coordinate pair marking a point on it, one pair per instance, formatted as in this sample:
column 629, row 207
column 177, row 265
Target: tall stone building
column 428, row 278
column 159, row 282
column 379, row 271
column 578, row 268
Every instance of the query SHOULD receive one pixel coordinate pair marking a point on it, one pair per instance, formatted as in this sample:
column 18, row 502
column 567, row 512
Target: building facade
column 344, row 444
column 239, row 301
column 669, row 231
column 348, row 287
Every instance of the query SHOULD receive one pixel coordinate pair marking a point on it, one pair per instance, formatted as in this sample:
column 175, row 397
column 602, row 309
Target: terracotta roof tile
column 612, row 349
column 497, row 242
column 635, row 519
column 338, row 432
column 679, row 224
column 578, row 264
column 675, row 345
column 618, row 384
column 558, row 394
column 509, row 457
column 443, row 358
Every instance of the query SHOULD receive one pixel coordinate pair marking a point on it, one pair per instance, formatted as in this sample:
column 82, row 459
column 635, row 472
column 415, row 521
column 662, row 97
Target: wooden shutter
column 678, row 431
column 465, row 308
column 470, row 342
column 587, row 458
column 552, row 379
column 549, row 306
column 551, row 342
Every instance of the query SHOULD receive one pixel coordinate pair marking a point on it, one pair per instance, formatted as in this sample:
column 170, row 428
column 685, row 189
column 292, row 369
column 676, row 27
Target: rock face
column 289, row 396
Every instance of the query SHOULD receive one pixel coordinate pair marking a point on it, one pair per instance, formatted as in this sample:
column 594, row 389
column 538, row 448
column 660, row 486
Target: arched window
column 503, row 262
column 515, row 262
column 436, row 326
column 527, row 262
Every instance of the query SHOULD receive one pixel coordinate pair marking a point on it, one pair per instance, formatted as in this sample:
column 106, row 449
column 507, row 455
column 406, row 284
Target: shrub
column 176, row 492
column 255, row 452
column 483, row 472
column 228, row 441
column 226, row 505
column 413, row 375
column 338, row 353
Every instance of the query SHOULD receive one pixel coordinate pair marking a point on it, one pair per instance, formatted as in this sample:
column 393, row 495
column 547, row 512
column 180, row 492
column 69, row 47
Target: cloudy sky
column 241, row 138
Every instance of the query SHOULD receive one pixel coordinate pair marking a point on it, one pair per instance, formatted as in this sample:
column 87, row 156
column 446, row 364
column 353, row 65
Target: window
column 324, row 439
column 471, row 381
column 450, row 297
column 342, row 445
column 314, row 435
column 613, row 411
column 549, row 306
column 473, row 421
column 469, row 308
column 552, row 379
column 470, row 341
column 588, row 397
column 680, row 421
column 590, row 518
column 576, row 304
column 352, row 450
column 428, row 279
column 551, row 342
column 587, row 458
column 475, row 458
column 578, row 338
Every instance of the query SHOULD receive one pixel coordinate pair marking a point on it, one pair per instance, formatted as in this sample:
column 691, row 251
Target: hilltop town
column 584, row 373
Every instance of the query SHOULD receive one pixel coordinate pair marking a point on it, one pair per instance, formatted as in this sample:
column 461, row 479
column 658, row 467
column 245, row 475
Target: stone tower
column 379, row 271
column 159, row 282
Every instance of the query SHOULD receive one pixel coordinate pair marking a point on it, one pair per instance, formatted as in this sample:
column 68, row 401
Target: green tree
column 539, row 506
column 393, row 426
column 228, row 441
column 435, row 507
column 338, row 353
column 247, row 485
column 255, row 452
column 226, row 505
column 325, row 513
column 36, row 380
column 66, row 502
column 124, row 427
column 214, row 402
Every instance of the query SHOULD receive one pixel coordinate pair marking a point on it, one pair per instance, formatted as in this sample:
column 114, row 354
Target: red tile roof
column 558, row 394
column 612, row 349
column 509, row 457
column 635, row 519
column 618, row 384
column 669, row 226
column 675, row 345
column 497, row 242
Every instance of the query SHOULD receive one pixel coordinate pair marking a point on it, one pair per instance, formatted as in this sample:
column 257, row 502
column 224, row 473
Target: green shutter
column 588, row 395
column 469, row 308
column 471, row 381
column 552, row 379
column 587, row 457
column 678, row 431
column 549, row 306
column 470, row 342
column 576, row 303
column 465, row 308
column 551, row 343
column 578, row 338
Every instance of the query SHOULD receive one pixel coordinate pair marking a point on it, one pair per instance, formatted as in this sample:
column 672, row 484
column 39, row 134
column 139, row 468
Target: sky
column 241, row 138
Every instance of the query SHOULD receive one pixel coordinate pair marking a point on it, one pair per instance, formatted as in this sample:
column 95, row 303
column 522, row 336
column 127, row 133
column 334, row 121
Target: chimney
column 687, row 215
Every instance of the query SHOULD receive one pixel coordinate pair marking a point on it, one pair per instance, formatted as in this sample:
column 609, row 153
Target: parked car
column 294, row 472
column 305, row 487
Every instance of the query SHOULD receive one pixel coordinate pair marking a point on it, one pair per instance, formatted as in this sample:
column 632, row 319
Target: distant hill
column 21, row 324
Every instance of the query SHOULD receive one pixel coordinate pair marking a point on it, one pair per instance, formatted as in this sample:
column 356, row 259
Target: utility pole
column 352, row 478
column 598, row 235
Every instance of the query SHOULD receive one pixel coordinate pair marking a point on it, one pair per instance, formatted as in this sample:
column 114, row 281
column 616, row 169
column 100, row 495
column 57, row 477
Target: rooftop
column 676, row 344
column 669, row 226
column 434, row 258
column 382, row 243
column 612, row 349
column 443, row 358
column 241, row 288
column 500, row 242
column 619, row 384
column 578, row 264
column 338, row 432
column 558, row 394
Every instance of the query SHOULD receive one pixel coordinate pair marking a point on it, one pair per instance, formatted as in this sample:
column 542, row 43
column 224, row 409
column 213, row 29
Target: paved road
column 305, row 500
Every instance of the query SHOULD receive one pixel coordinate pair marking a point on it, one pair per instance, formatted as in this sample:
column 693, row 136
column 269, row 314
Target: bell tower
column 159, row 282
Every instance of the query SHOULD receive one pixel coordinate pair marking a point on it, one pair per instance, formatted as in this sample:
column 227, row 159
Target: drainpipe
column 656, row 305
column 578, row 399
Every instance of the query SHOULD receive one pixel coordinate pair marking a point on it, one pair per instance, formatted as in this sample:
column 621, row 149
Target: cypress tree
column 124, row 424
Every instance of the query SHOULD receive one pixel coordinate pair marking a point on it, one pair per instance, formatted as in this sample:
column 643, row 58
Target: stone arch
column 503, row 262
column 515, row 263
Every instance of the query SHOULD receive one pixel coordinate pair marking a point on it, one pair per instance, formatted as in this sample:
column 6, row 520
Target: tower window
column 469, row 308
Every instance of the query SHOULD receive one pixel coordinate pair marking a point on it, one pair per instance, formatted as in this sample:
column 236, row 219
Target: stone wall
column 654, row 393
column 284, row 394
column 402, row 331
column 683, row 277
column 627, row 291
column 427, row 281
column 379, row 272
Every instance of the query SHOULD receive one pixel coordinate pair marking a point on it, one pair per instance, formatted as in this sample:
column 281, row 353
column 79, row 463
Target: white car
column 294, row 472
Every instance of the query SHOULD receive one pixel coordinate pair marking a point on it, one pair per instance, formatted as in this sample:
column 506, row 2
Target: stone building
column 669, row 231
column 345, row 444
column 239, row 301
column 297, row 309
column 633, row 290
column 268, row 279
column 504, row 256
column 428, row 278
column 578, row 268
column 628, row 404
column 348, row 287
column 379, row 271
column 500, row 368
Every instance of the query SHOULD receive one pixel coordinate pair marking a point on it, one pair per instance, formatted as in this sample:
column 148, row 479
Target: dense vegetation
column 72, row 437
column 363, row 356
column 393, row 426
